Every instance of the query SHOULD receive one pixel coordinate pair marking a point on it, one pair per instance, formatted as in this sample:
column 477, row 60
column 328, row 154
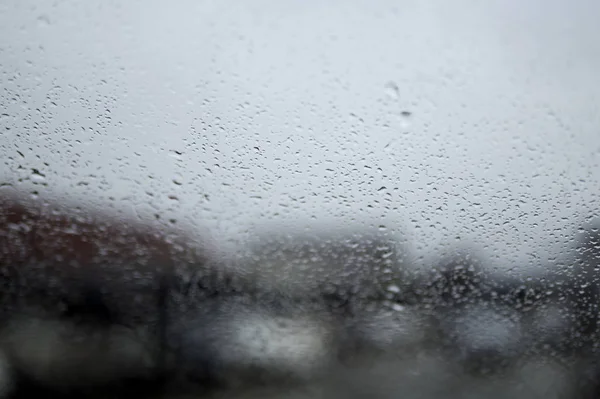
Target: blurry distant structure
column 95, row 306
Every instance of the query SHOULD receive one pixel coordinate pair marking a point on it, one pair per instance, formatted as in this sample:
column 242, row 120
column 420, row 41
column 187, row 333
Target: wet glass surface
column 302, row 199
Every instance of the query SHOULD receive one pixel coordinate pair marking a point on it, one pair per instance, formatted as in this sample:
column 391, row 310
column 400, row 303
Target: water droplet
column 405, row 117
column 392, row 90
column 43, row 20
column 397, row 307
column 393, row 289
column 36, row 175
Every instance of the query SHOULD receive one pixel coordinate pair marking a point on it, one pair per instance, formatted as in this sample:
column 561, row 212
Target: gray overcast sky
column 464, row 118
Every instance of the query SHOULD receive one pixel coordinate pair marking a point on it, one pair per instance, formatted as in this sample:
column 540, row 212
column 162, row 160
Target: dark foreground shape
column 83, row 299
column 95, row 306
